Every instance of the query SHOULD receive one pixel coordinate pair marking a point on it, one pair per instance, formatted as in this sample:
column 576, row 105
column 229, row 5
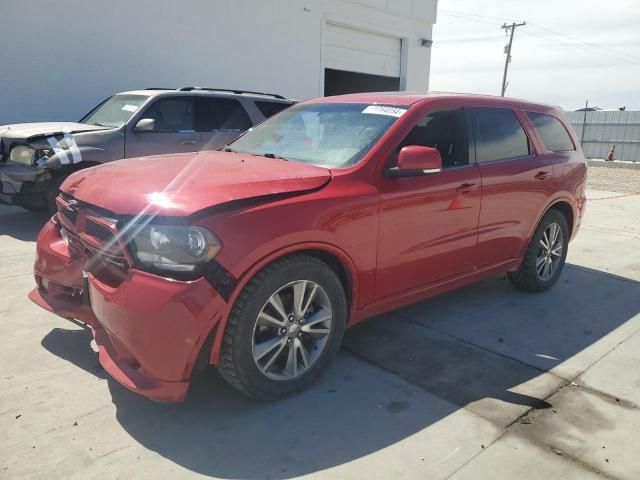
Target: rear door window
column 270, row 108
column 552, row 132
column 498, row 135
column 220, row 114
column 172, row 114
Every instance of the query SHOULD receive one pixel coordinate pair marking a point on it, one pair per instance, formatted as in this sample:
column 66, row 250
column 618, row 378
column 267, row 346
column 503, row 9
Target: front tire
column 544, row 259
column 284, row 329
column 51, row 192
column 34, row 208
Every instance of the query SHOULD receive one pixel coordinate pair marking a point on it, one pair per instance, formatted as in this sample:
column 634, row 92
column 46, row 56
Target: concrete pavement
column 482, row 383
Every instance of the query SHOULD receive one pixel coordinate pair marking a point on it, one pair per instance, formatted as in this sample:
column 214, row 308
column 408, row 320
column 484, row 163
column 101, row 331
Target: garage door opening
column 338, row 82
column 356, row 60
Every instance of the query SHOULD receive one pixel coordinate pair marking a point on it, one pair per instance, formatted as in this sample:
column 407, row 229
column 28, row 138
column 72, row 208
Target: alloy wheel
column 549, row 252
column 292, row 330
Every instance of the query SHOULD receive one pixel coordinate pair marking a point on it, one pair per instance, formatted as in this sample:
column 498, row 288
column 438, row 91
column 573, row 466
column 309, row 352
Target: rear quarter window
column 213, row 113
column 498, row 135
column 552, row 132
column 270, row 108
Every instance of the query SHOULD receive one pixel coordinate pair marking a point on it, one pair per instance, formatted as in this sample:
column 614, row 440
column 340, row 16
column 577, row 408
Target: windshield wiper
column 272, row 155
column 99, row 124
column 267, row 155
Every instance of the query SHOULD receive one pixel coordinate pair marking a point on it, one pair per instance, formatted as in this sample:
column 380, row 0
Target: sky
column 569, row 52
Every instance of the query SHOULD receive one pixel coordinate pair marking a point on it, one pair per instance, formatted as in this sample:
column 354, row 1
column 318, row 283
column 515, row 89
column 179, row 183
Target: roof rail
column 159, row 88
column 237, row 92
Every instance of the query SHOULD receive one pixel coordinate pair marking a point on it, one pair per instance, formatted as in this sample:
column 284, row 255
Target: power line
column 573, row 45
column 590, row 44
column 509, row 29
column 456, row 12
column 470, row 19
column 470, row 39
column 617, row 54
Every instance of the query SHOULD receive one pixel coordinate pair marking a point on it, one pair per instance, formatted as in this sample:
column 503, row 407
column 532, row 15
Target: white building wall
column 58, row 58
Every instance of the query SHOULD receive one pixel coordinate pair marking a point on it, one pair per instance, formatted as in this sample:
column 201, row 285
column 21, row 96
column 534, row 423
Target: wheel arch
column 75, row 167
column 335, row 258
column 566, row 209
column 561, row 203
column 338, row 267
column 338, row 260
column 64, row 171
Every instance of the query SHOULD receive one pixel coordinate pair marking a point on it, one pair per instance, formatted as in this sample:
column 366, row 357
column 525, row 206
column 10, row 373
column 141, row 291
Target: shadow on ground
column 20, row 224
column 357, row 409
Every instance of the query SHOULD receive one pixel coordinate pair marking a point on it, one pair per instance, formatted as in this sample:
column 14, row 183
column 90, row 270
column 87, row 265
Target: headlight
column 173, row 248
column 24, row 154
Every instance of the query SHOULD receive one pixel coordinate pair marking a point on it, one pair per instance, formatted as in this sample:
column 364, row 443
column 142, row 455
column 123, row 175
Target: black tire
column 237, row 365
column 52, row 192
column 527, row 276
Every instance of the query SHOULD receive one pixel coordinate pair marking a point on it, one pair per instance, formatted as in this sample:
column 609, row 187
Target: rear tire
column 271, row 347
column 544, row 259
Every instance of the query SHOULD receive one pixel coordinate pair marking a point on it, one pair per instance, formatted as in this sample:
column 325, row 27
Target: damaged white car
column 35, row 158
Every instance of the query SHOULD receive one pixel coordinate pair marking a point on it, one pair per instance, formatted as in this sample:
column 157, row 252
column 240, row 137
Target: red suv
column 256, row 258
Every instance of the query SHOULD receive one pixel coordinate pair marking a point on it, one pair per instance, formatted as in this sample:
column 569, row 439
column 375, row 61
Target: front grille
column 66, row 197
column 70, row 214
column 98, row 231
column 90, row 233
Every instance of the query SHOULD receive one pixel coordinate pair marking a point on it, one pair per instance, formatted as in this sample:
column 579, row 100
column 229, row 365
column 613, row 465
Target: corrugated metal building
column 602, row 130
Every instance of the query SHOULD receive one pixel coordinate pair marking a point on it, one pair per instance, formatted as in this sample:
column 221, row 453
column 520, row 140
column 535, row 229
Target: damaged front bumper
column 22, row 185
column 149, row 330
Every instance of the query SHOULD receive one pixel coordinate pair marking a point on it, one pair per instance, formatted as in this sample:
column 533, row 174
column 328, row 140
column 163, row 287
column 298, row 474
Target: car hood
column 182, row 184
column 28, row 131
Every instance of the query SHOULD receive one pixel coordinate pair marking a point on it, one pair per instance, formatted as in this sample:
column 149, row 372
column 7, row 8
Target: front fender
column 72, row 156
column 339, row 220
column 344, row 258
column 331, row 249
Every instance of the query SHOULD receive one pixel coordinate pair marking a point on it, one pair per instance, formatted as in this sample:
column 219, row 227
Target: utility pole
column 509, row 29
column 584, row 122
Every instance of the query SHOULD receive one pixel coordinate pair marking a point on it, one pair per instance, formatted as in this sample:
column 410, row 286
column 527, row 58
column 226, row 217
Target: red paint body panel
column 428, row 229
column 182, row 312
column 419, row 158
column 399, row 240
column 511, row 200
column 152, row 346
column 182, row 184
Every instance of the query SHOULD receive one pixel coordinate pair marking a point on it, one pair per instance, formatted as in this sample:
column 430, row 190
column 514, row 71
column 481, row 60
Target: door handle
column 188, row 142
column 467, row 188
column 542, row 175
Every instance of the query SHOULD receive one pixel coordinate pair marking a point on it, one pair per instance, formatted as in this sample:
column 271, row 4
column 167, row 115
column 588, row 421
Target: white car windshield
column 334, row 135
column 115, row 111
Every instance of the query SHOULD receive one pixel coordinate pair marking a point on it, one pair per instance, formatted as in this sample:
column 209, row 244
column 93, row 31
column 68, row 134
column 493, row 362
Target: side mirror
column 145, row 125
column 415, row 161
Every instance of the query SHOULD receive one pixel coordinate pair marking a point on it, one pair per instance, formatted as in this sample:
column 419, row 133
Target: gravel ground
column 614, row 179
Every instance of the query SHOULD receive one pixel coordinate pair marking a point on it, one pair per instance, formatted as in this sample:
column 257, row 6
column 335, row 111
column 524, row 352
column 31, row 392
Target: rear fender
column 560, row 197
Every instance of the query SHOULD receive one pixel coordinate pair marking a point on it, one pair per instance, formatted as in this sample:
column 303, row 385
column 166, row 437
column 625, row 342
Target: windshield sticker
column 382, row 110
column 130, row 108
